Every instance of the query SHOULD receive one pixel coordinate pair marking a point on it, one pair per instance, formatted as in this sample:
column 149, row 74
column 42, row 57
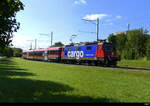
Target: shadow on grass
column 6, row 61
column 26, row 90
column 9, row 68
column 23, row 90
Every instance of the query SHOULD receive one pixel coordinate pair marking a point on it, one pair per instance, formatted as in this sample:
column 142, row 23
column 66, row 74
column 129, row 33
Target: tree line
column 8, row 22
column 11, row 52
column 9, row 25
column 133, row 44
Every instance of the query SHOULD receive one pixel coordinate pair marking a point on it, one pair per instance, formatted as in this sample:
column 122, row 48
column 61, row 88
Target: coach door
column 45, row 56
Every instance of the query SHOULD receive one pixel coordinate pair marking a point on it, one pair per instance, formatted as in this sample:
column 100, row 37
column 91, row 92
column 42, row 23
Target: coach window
column 41, row 53
column 29, row 54
column 89, row 48
column 35, row 53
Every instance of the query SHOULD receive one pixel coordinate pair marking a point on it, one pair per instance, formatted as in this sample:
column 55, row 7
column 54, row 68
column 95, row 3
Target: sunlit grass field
column 30, row 81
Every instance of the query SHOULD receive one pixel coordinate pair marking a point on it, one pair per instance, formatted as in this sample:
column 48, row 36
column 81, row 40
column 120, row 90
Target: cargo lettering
column 76, row 54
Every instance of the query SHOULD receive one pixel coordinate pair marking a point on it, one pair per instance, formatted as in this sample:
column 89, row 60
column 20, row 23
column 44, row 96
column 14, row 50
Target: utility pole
column 49, row 35
column 128, row 27
column 51, row 38
column 35, row 43
column 30, row 44
column 142, row 30
column 72, row 37
column 97, row 28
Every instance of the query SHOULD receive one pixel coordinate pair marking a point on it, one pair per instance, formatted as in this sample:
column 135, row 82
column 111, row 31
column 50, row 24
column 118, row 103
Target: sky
column 65, row 18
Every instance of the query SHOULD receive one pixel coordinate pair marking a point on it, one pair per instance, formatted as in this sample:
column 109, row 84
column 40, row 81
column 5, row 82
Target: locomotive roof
column 86, row 43
column 44, row 49
column 54, row 48
column 36, row 50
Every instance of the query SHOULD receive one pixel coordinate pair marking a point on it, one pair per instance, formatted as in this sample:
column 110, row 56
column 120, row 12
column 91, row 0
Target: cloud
column 109, row 24
column 21, row 41
column 112, row 19
column 77, row 2
column 108, row 20
column 94, row 16
column 119, row 17
column 24, row 42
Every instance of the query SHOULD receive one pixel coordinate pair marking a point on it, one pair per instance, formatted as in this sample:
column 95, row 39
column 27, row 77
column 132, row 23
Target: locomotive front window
column 108, row 48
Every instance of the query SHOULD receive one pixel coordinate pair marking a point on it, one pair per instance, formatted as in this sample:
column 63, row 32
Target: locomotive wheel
column 106, row 63
column 114, row 64
column 96, row 63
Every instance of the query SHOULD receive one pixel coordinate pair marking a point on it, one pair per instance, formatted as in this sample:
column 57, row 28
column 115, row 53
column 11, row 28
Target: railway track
column 132, row 68
column 117, row 67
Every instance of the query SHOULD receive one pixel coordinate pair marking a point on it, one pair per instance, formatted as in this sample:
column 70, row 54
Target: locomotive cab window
column 89, row 48
column 108, row 48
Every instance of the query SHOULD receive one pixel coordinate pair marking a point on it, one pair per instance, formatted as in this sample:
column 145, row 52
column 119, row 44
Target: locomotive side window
column 79, row 49
column 69, row 49
column 89, row 48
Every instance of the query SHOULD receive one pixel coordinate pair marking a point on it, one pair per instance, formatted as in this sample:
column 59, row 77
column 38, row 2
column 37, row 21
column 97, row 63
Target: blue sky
column 63, row 17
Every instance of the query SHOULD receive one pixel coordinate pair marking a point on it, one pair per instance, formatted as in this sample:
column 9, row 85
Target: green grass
column 31, row 81
column 135, row 63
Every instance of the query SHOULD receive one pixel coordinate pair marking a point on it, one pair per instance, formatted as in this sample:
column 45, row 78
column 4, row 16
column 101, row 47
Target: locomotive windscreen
column 108, row 47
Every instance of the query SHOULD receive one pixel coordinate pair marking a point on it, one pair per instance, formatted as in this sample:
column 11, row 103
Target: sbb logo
column 76, row 54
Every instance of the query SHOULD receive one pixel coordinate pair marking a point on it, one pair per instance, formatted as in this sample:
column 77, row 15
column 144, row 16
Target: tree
column 8, row 52
column 17, row 52
column 132, row 45
column 148, row 48
column 118, row 41
column 8, row 22
column 58, row 44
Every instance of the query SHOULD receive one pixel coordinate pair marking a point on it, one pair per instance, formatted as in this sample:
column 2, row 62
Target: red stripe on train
column 53, row 55
column 37, row 57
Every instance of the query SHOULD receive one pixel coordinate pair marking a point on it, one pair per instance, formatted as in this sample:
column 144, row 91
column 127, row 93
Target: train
column 95, row 53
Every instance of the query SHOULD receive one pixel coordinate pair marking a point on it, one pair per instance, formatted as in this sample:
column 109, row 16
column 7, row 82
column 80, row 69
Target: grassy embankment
column 31, row 81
